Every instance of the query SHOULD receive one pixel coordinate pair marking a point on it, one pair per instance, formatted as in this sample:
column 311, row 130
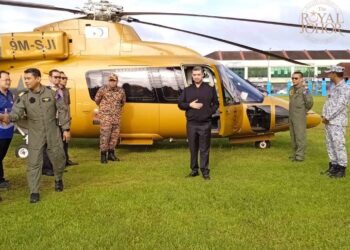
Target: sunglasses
column 295, row 78
column 57, row 77
column 64, row 78
column 112, row 80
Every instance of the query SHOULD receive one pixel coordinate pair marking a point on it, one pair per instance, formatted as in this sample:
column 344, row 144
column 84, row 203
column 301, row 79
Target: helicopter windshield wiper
column 130, row 19
column 39, row 6
column 235, row 19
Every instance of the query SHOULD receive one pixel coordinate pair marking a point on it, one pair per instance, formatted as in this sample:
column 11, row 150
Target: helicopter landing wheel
column 22, row 151
column 262, row 144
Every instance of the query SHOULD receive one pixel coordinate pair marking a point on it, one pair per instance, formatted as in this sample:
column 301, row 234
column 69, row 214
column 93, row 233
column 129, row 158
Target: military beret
column 335, row 69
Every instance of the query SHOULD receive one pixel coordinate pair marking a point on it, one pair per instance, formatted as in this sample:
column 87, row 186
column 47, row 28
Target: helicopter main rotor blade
column 130, row 19
column 237, row 19
column 39, row 6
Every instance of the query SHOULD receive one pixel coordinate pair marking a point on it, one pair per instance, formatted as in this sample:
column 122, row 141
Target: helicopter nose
column 312, row 119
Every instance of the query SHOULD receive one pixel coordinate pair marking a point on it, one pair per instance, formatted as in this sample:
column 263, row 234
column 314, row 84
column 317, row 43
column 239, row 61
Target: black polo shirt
column 206, row 95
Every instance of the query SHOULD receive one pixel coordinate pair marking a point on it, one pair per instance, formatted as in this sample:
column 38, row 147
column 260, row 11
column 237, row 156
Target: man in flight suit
column 66, row 99
column 200, row 101
column 110, row 99
column 300, row 102
column 55, row 79
column 335, row 118
column 40, row 105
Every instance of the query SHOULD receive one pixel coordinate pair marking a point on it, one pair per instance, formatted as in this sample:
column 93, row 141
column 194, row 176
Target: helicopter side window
column 171, row 84
column 135, row 82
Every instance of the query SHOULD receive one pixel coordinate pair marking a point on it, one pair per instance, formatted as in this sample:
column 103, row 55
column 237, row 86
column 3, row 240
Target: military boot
column 104, row 157
column 340, row 173
column 34, row 198
column 332, row 168
column 59, row 186
column 111, row 156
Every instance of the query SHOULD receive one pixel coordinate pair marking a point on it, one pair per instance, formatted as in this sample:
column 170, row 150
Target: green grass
column 257, row 199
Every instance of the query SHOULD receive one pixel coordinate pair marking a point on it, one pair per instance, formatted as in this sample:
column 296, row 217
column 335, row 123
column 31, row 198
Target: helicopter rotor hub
column 102, row 10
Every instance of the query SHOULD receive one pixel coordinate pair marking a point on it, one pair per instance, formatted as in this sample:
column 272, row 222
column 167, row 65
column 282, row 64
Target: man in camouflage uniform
column 300, row 102
column 40, row 105
column 335, row 118
column 110, row 99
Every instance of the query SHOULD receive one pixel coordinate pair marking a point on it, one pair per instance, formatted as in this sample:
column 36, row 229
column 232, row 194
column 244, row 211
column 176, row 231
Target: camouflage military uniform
column 110, row 101
column 41, row 109
column 335, row 110
column 300, row 101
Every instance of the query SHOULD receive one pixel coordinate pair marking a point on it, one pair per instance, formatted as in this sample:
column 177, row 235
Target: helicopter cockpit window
column 230, row 93
column 247, row 92
column 135, row 82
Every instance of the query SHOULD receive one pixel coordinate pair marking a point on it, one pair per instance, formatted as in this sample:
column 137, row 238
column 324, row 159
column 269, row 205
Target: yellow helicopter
column 152, row 74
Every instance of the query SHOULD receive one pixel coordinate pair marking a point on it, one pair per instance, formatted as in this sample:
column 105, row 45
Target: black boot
column 340, row 173
column 332, row 168
column 34, row 198
column 59, row 186
column 104, row 157
column 111, row 156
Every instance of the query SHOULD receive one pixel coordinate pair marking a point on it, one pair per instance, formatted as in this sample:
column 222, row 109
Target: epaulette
column 54, row 88
column 22, row 93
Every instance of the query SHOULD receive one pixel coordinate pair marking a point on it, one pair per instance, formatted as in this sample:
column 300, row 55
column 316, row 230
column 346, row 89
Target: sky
column 261, row 36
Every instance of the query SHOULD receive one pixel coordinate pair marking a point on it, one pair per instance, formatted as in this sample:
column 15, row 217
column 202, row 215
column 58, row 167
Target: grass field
column 257, row 199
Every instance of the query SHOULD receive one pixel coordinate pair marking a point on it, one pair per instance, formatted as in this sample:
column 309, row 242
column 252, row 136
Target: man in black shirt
column 200, row 101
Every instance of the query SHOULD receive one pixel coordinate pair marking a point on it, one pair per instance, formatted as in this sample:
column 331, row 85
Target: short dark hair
column 299, row 73
column 198, row 68
column 62, row 72
column 4, row 72
column 34, row 71
column 339, row 74
column 53, row 71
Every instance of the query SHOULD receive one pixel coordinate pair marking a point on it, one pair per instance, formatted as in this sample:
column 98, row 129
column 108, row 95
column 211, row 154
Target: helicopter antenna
column 130, row 19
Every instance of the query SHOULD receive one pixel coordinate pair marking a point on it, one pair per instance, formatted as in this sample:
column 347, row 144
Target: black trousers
column 199, row 135
column 47, row 165
column 4, row 146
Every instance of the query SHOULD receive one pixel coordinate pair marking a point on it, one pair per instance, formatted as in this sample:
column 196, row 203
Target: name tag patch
column 46, row 99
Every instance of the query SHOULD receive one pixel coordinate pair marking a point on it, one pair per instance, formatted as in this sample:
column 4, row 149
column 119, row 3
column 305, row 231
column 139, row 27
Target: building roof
column 292, row 54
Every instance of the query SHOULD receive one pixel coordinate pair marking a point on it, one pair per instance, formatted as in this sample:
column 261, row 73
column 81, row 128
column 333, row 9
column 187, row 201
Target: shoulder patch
column 22, row 93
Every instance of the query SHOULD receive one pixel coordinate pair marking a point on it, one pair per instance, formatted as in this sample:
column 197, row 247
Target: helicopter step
column 260, row 141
